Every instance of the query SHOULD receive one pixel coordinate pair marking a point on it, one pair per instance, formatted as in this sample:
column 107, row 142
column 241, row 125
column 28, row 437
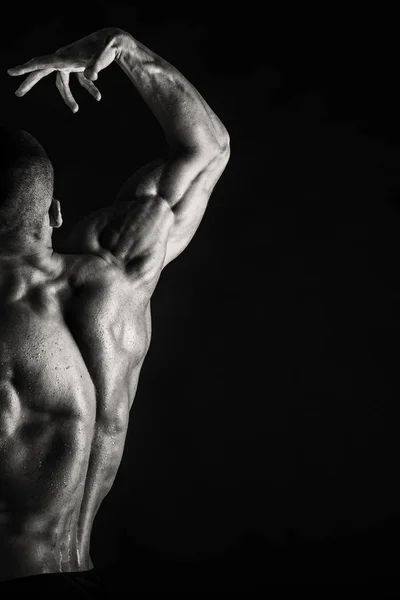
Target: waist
column 25, row 553
column 43, row 468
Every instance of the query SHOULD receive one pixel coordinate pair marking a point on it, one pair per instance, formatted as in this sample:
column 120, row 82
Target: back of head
column 26, row 186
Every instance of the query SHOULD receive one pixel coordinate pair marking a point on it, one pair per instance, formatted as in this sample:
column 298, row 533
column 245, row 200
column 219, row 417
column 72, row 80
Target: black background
column 263, row 442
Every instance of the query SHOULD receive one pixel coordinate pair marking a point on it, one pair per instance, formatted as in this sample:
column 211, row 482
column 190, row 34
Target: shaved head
column 26, row 185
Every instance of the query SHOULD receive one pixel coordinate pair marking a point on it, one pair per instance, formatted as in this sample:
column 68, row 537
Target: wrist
column 124, row 44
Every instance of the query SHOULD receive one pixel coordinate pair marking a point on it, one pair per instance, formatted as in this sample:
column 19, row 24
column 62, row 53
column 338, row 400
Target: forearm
column 188, row 122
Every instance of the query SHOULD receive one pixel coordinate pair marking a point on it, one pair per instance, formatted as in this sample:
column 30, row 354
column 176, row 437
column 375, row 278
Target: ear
column 55, row 214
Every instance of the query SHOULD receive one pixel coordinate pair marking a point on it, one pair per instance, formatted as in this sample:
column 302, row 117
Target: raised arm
column 159, row 208
column 198, row 142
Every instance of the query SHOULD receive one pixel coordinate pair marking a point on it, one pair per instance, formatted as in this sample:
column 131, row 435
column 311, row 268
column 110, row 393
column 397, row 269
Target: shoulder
column 87, row 275
column 90, row 270
column 131, row 236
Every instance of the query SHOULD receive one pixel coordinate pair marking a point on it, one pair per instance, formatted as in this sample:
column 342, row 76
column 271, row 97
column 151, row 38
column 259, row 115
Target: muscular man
column 75, row 327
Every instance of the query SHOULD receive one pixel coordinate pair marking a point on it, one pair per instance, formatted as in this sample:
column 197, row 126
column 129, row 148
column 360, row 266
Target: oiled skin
column 75, row 327
column 71, row 345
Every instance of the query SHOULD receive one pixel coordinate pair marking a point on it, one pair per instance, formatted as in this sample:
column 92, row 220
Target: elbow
column 224, row 142
column 222, row 146
column 226, row 147
column 217, row 143
column 217, row 149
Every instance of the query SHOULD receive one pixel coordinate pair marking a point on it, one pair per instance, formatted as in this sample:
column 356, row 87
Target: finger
column 41, row 62
column 32, row 80
column 105, row 59
column 62, row 83
column 89, row 86
column 90, row 74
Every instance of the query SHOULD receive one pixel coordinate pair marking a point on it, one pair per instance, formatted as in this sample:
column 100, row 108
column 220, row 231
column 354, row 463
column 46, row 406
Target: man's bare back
column 71, row 346
column 74, row 331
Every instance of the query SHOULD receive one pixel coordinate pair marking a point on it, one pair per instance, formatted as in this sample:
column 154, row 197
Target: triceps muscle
column 136, row 234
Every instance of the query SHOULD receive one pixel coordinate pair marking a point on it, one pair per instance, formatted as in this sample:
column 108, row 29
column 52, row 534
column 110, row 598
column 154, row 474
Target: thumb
column 102, row 61
column 90, row 73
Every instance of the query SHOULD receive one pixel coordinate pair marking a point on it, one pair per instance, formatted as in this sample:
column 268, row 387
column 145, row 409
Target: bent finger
column 62, row 83
column 32, row 80
column 102, row 62
column 89, row 86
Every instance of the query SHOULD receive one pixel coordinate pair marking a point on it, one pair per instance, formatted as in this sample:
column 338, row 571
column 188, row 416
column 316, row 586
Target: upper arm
column 155, row 214
column 185, row 182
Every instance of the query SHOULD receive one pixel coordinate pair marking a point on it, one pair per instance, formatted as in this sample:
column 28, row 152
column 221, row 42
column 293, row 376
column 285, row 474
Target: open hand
column 85, row 57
